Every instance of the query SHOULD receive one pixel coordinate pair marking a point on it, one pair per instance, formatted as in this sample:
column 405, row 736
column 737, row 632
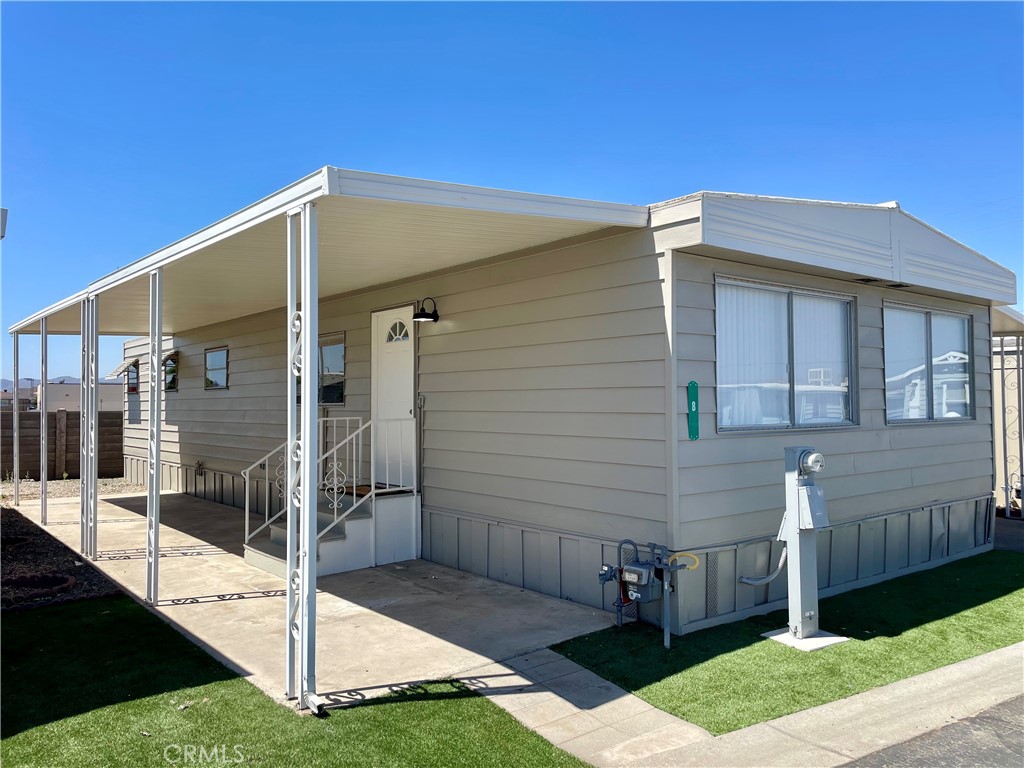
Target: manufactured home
column 503, row 381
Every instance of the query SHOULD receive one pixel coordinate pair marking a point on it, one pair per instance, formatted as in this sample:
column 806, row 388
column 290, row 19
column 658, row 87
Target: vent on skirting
column 711, row 591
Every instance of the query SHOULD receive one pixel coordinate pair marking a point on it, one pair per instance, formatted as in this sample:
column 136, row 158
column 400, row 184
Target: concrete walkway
column 394, row 626
column 377, row 629
column 607, row 727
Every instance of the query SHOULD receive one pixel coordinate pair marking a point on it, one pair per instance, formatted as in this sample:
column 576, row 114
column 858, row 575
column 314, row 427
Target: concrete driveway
column 376, row 628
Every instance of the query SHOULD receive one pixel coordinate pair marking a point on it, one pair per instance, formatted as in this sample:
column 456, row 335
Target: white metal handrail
column 392, row 446
column 394, row 450
column 342, row 471
column 271, row 469
column 392, row 468
column 264, row 463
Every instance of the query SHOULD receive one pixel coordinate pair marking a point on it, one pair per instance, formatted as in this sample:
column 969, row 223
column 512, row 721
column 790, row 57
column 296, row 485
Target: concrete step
column 279, row 530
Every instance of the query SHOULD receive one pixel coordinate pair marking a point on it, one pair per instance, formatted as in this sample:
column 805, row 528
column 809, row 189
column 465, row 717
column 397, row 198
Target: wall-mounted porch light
column 421, row 315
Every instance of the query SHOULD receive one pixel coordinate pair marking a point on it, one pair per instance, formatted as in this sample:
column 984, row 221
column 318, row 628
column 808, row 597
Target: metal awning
column 117, row 372
column 373, row 230
column 1007, row 321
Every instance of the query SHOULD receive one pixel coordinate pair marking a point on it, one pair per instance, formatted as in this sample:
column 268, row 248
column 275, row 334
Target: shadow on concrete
column 218, row 525
column 417, row 690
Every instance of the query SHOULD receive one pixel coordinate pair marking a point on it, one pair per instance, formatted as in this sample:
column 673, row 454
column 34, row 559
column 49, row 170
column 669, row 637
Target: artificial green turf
column 729, row 677
column 105, row 683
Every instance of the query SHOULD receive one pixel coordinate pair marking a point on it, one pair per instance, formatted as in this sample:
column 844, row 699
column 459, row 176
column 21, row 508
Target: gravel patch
column 65, row 489
column 36, row 569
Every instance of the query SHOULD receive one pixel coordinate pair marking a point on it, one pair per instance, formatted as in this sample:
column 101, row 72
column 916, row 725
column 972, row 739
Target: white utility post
column 15, row 428
column 805, row 515
column 292, row 500
column 155, row 417
column 41, row 405
column 802, row 539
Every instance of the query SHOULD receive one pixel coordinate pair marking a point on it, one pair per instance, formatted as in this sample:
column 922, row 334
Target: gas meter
column 641, row 581
column 645, row 581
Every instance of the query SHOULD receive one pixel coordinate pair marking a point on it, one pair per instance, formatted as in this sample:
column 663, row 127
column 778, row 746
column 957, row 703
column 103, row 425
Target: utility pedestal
column 805, row 514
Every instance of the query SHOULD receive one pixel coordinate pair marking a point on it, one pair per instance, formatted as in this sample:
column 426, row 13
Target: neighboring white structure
column 68, row 396
column 1008, row 406
column 545, row 415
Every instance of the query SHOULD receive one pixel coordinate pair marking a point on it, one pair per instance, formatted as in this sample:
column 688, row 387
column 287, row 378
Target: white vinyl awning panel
column 373, row 229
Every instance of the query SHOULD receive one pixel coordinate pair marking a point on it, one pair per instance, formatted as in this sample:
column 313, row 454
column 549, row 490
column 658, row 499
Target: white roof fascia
column 953, row 240
column 773, row 199
column 875, row 247
column 52, row 309
column 400, row 189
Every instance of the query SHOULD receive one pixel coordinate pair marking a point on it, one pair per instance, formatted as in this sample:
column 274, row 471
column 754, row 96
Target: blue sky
column 126, row 126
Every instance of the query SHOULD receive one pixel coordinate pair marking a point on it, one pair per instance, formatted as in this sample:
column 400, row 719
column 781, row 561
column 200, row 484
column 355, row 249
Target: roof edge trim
column 891, row 205
column 33, row 319
column 401, row 189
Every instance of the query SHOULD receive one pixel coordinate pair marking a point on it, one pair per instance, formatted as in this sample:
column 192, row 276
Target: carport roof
column 373, row 229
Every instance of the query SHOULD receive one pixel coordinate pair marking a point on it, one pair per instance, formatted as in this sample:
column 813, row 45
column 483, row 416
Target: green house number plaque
column 692, row 416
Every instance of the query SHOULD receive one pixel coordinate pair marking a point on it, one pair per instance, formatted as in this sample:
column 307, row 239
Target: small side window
column 131, row 377
column 171, row 372
column 217, row 368
column 332, row 369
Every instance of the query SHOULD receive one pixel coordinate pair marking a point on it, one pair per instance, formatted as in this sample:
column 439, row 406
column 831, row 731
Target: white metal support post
column 92, row 429
column 155, row 417
column 41, row 407
column 83, row 433
column 15, row 428
column 308, row 453
column 293, row 453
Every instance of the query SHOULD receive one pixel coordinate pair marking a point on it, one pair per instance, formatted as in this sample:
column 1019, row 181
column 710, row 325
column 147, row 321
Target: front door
column 393, row 363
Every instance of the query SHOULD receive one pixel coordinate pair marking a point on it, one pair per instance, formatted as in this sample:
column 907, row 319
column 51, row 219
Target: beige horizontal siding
column 543, row 389
column 731, row 482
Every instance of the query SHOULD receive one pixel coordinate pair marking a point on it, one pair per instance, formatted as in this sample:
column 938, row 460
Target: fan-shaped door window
column 397, row 332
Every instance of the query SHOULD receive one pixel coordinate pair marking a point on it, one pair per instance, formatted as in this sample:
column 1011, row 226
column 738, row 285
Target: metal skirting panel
column 209, row 484
column 549, row 562
column 850, row 555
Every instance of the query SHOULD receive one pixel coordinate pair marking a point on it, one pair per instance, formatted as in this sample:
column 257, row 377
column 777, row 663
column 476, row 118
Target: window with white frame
column 783, row 357
column 927, row 365
column 217, row 368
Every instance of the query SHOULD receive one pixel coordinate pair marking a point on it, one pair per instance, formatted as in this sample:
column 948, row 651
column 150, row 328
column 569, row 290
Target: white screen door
column 391, row 400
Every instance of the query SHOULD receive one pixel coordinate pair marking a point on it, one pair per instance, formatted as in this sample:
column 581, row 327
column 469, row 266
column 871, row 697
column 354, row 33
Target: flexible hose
column 696, row 560
column 765, row 579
